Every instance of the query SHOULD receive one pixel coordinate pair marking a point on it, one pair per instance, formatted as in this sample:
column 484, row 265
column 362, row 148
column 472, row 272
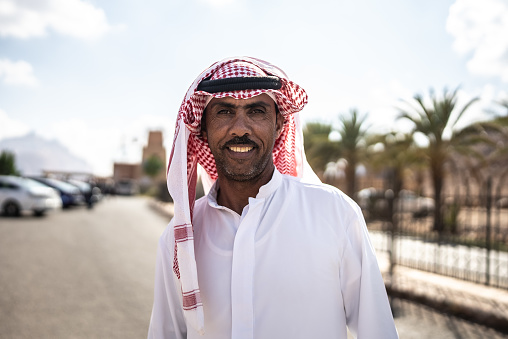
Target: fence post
column 391, row 194
column 488, row 230
column 393, row 228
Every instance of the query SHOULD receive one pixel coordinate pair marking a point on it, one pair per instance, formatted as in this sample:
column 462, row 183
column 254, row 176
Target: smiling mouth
column 241, row 149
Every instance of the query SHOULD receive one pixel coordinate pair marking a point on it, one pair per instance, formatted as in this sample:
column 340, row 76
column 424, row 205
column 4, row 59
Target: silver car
column 22, row 194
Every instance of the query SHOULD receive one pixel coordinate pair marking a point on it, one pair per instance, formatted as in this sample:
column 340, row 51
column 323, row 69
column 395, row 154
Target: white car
column 419, row 206
column 375, row 202
column 126, row 187
column 22, row 194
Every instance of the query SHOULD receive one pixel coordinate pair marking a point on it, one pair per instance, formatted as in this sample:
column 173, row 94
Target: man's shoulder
column 312, row 187
column 318, row 193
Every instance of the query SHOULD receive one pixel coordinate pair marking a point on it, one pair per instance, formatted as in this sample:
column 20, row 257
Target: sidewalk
column 477, row 303
column 163, row 208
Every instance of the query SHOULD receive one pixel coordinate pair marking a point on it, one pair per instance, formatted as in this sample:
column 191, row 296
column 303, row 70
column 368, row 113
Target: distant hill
column 35, row 154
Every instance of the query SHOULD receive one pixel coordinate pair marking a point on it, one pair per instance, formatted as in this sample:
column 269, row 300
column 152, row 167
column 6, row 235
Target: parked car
column 91, row 193
column 126, row 187
column 70, row 195
column 419, row 206
column 375, row 203
column 21, row 194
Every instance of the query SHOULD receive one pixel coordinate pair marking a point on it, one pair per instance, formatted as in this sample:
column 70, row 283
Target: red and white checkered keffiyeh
column 189, row 149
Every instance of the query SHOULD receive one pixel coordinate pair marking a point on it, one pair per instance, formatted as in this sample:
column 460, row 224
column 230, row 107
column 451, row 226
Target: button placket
column 242, row 276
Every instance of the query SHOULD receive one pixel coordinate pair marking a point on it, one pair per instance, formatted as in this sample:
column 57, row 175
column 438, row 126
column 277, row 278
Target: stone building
column 155, row 148
column 134, row 172
column 125, row 171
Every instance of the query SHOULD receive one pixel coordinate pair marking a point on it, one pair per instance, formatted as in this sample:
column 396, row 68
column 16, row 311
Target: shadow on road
column 415, row 321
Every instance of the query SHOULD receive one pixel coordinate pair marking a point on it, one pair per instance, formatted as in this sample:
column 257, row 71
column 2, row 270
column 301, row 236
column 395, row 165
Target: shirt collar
column 264, row 191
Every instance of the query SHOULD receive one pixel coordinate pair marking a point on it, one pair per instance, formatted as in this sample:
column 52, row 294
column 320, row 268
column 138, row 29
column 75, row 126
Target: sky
column 98, row 75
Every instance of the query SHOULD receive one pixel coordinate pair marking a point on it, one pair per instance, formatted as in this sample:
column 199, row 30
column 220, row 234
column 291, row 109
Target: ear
column 279, row 124
column 204, row 134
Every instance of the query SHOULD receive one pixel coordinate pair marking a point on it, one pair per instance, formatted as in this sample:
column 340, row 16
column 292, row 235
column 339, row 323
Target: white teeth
column 240, row 149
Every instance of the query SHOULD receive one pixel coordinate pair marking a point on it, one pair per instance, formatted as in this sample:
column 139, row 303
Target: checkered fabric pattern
column 189, row 149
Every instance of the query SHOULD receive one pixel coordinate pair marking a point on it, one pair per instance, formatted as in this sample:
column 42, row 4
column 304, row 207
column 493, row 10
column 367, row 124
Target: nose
column 240, row 125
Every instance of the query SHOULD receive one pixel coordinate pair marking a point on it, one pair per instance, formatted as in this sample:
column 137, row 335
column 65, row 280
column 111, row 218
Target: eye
column 258, row 114
column 257, row 111
column 224, row 111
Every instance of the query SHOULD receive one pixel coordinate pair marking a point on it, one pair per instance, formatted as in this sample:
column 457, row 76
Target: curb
column 454, row 308
column 163, row 208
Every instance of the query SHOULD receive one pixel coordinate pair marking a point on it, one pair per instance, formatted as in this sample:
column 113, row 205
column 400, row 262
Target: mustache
column 243, row 140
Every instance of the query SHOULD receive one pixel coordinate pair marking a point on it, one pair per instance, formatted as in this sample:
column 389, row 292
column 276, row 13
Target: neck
column 235, row 194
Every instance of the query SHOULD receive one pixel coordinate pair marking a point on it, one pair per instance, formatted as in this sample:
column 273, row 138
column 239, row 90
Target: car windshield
column 60, row 184
column 82, row 185
column 25, row 182
column 31, row 183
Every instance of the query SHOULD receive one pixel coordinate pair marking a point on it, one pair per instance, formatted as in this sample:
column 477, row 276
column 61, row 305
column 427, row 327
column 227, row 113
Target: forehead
column 262, row 100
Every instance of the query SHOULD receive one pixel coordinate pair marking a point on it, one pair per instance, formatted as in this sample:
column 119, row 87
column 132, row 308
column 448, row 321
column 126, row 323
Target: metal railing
column 472, row 243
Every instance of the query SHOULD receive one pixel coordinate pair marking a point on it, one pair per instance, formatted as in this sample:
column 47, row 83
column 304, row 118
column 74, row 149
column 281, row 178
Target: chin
column 242, row 177
column 242, row 172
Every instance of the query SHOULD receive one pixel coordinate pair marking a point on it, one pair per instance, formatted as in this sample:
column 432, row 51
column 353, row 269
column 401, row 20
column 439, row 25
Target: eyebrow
column 229, row 105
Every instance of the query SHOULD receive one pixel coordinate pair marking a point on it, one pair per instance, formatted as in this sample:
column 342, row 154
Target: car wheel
column 39, row 213
column 11, row 209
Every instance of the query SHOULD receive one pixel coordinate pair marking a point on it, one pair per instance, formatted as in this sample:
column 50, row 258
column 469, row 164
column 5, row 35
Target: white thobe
column 298, row 263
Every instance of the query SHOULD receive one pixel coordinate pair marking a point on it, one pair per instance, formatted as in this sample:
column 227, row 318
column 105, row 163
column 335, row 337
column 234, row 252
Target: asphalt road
column 79, row 273
column 89, row 274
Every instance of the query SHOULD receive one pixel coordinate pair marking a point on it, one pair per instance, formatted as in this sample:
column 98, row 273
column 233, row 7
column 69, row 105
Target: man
column 269, row 252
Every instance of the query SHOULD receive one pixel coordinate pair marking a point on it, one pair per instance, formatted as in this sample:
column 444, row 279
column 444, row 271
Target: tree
column 319, row 149
column 433, row 120
column 490, row 142
column 504, row 104
column 8, row 163
column 352, row 145
column 153, row 166
column 397, row 153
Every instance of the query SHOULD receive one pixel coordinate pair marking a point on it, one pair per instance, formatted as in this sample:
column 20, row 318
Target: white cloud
column 28, row 18
column 490, row 99
column 11, row 128
column 17, row 73
column 481, row 28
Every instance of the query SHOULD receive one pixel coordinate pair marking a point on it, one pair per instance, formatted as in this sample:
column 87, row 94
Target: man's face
column 241, row 134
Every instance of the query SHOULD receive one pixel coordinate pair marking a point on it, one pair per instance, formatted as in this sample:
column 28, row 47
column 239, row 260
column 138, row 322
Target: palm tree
column 353, row 132
column 504, row 103
column 432, row 120
column 397, row 154
column 491, row 142
column 319, row 149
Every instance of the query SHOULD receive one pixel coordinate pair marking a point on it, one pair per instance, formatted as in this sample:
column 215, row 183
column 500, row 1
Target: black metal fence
column 471, row 244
